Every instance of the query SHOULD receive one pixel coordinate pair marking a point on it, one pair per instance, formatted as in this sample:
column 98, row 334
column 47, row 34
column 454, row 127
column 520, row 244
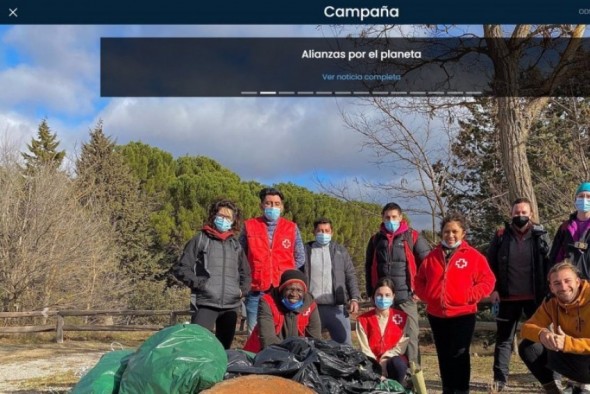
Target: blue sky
column 53, row 72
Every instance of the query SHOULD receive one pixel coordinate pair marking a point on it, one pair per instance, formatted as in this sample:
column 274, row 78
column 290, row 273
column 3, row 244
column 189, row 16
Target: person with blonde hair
column 556, row 339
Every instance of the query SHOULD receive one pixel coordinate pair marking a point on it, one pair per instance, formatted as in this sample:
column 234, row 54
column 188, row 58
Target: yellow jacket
column 573, row 318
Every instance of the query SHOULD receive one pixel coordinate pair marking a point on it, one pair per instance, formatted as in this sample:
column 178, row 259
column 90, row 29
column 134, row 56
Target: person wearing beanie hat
column 573, row 236
column 293, row 276
column 286, row 311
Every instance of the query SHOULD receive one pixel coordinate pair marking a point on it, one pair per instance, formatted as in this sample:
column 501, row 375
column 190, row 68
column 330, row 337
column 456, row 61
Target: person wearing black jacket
column 396, row 252
column 518, row 256
column 215, row 268
column 332, row 281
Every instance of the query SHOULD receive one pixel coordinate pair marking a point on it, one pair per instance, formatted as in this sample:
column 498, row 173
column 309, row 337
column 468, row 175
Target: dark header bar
column 293, row 12
column 320, row 67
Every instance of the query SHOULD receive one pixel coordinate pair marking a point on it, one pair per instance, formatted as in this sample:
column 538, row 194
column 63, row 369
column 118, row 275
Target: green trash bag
column 104, row 378
column 391, row 386
column 185, row 358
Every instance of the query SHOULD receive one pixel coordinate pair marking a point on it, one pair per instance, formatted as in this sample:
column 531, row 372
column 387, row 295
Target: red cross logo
column 286, row 244
column 461, row 263
column 397, row 319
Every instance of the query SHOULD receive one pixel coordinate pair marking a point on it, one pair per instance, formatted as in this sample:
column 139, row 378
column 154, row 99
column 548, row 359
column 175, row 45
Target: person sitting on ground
column 557, row 337
column 286, row 311
column 381, row 332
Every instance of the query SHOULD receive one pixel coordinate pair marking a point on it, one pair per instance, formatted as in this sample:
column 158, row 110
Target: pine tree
column 43, row 150
column 107, row 184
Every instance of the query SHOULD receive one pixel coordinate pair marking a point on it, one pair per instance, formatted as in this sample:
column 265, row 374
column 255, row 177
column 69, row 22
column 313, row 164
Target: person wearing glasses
column 286, row 311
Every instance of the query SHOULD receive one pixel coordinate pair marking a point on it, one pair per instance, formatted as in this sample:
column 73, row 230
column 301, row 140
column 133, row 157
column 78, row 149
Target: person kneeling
column 381, row 333
column 557, row 336
column 286, row 311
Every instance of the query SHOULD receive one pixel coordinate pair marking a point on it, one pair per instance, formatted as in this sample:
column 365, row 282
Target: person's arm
column 184, row 269
column 538, row 323
column 492, row 257
column 400, row 348
column 556, row 254
column 369, row 256
column 352, row 285
column 243, row 238
column 266, row 325
column 245, row 273
column 314, row 327
column 299, row 250
column 364, row 341
column 420, row 281
column 575, row 345
column 421, row 249
column 484, row 281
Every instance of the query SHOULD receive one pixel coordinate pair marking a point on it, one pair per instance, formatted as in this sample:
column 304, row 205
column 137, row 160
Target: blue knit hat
column 584, row 187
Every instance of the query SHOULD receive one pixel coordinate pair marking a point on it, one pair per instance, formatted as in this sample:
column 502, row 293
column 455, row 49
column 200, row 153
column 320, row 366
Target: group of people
column 294, row 289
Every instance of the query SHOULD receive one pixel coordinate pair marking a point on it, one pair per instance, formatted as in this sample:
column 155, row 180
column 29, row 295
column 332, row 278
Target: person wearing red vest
column 286, row 311
column 273, row 245
column 381, row 332
column 396, row 252
column 452, row 279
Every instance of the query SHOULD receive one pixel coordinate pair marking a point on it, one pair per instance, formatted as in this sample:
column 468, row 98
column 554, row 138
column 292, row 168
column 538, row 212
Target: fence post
column 173, row 318
column 59, row 330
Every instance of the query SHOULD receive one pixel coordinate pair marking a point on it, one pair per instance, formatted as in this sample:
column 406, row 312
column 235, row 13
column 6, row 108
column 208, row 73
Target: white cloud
column 257, row 138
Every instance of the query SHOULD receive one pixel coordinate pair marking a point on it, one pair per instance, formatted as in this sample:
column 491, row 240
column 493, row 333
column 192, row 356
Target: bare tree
column 53, row 253
column 390, row 127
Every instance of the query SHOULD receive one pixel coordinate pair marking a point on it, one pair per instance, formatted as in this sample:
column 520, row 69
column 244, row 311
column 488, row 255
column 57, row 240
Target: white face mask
column 456, row 244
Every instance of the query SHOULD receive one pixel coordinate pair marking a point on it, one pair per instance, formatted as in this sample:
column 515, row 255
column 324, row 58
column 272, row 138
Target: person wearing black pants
column 452, row 279
column 518, row 256
column 214, row 266
column 452, row 338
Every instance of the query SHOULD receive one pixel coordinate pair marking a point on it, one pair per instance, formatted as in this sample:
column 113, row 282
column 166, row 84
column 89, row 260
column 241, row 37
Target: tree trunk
column 511, row 124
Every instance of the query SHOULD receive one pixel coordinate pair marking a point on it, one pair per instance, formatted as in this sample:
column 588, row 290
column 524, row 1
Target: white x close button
column 12, row 13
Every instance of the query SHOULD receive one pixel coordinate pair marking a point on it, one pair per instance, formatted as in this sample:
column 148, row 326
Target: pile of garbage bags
column 325, row 366
column 186, row 359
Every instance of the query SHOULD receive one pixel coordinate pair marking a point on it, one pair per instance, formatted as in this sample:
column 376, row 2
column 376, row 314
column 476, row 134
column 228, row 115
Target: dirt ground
column 55, row 368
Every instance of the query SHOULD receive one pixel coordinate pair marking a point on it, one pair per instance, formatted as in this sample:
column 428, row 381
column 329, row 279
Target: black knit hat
column 291, row 276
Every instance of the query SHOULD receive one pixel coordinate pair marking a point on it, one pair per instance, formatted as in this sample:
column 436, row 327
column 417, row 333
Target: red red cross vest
column 253, row 343
column 394, row 330
column 268, row 263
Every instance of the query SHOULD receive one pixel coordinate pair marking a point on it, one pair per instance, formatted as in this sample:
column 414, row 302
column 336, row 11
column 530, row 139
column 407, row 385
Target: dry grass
column 26, row 349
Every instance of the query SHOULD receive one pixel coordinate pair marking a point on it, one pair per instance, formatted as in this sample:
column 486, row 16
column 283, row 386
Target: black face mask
column 520, row 221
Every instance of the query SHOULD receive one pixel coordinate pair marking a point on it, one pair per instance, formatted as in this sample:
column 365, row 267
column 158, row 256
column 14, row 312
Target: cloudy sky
column 53, row 72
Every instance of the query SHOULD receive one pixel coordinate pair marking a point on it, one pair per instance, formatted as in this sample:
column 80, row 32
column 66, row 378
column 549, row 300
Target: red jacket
column 266, row 263
column 455, row 287
column 394, row 330
column 254, row 344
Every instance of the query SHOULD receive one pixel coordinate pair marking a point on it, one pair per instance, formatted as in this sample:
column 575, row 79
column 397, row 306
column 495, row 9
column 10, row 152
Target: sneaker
column 580, row 388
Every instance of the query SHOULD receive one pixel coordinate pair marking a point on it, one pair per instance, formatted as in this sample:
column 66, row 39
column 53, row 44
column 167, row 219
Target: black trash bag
column 338, row 360
column 239, row 362
column 309, row 375
column 301, row 347
column 358, row 387
column 332, row 385
column 276, row 360
column 368, row 370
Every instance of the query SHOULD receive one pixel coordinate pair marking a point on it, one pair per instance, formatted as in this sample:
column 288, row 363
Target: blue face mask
column 453, row 246
column 323, row 238
column 272, row 214
column 391, row 225
column 582, row 204
column 289, row 306
column 222, row 223
column 383, row 302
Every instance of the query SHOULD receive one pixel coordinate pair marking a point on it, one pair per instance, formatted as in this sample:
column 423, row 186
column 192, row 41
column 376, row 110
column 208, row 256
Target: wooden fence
column 60, row 326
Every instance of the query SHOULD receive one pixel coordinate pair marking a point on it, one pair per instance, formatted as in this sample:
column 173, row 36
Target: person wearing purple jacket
column 573, row 236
